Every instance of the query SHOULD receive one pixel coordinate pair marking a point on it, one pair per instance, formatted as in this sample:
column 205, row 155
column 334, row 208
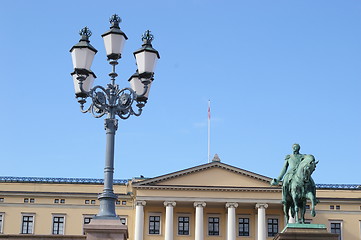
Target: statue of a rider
column 288, row 172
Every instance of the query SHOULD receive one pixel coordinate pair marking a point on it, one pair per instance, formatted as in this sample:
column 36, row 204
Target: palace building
column 208, row 201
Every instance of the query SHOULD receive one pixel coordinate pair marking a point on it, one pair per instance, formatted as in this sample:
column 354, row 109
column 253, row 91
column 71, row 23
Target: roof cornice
column 8, row 179
column 207, row 188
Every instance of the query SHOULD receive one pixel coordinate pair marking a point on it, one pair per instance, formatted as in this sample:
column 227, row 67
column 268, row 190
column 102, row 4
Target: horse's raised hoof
column 313, row 213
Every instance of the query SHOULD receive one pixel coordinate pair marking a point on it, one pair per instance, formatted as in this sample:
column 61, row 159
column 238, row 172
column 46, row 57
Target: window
column 154, row 224
column 62, row 200
column 27, row 224
column 58, row 225
column 243, row 226
column 92, row 201
column 332, row 207
column 123, row 220
column 87, row 220
column 124, row 202
column 183, row 225
column 335, row 227
column 26, row 200
column 87, row 201
column 338, row 207
column 213, row 226
column 117, row 202
column 2, row 199
column 1, row 222
column 272, row 226
column 307, row 206
column 56, row 200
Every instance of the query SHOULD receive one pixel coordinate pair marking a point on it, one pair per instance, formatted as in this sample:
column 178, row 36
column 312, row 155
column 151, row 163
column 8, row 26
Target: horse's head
column 307, row 166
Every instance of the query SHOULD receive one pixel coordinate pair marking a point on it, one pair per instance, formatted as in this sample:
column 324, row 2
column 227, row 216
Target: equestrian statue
column 297, row 184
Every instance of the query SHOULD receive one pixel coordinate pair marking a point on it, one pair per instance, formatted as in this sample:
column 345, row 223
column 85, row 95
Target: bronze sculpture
column 297, row 185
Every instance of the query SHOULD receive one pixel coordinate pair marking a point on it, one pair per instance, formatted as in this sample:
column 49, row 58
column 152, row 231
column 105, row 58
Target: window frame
column 87, row 216
column 278, row 225
column 53, row 222
column 160, row 223
column 23, row 215
column 330, row 222
column 219, row 224
column 123, row 217
column 2, row 216
column 249, row 225
column 189, row 224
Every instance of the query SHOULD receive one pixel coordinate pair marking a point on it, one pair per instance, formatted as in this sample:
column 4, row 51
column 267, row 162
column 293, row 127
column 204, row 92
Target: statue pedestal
column 109, row 229
column 296, row 231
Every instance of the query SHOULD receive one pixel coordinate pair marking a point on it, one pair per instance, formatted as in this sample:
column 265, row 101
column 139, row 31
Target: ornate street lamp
column 111, row 100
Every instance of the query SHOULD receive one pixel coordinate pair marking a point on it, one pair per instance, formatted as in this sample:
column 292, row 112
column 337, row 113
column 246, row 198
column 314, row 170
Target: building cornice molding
column 209, row 200
column 94, row 181
column 333, row 201
column 207, row 188
column 57, row 194
column 60, row 206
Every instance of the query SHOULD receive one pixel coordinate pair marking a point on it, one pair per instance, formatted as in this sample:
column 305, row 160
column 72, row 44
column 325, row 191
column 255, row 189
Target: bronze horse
column 300, row 188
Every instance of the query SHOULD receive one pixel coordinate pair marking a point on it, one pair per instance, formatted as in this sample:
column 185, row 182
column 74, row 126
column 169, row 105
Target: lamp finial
column 147, row 38
column 85, row 33
column 114, row 21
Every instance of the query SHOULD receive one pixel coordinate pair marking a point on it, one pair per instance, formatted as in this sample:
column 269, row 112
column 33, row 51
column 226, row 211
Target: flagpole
column 209, row 131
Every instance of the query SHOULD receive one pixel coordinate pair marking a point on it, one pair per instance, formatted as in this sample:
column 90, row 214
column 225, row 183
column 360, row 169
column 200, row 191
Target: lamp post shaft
column 108, row 198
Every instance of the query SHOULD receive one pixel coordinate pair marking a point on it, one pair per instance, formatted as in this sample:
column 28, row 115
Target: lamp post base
column 110, row 229
column 107, row 206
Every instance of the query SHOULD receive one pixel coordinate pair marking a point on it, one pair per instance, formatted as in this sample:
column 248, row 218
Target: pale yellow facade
column 214, row 188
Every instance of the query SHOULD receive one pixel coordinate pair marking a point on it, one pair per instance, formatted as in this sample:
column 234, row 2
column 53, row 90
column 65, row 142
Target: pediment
column 214, row 174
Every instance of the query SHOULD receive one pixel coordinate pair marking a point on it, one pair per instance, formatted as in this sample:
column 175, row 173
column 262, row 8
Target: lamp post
column 111, row 100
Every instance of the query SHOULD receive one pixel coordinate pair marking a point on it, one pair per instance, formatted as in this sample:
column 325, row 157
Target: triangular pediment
column 214, row 174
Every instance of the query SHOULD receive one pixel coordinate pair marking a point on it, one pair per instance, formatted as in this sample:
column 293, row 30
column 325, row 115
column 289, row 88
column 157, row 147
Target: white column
column 261, row 228
column 139, row 220
column 169, row 220
column 231, row 221
column 199, row 220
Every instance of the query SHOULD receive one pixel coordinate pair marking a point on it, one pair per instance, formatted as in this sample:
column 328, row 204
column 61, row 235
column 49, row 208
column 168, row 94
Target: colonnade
column 199, row 220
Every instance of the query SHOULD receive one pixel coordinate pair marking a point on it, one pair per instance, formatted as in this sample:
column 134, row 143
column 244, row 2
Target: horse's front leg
column 295, row 205
column 303, row 211
column 286, row 207
column 313, row 200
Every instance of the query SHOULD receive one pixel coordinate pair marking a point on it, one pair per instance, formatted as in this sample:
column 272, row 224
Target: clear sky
column 276, row 72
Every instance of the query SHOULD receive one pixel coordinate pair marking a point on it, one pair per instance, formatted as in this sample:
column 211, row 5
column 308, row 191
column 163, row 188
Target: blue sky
column 276, row 72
